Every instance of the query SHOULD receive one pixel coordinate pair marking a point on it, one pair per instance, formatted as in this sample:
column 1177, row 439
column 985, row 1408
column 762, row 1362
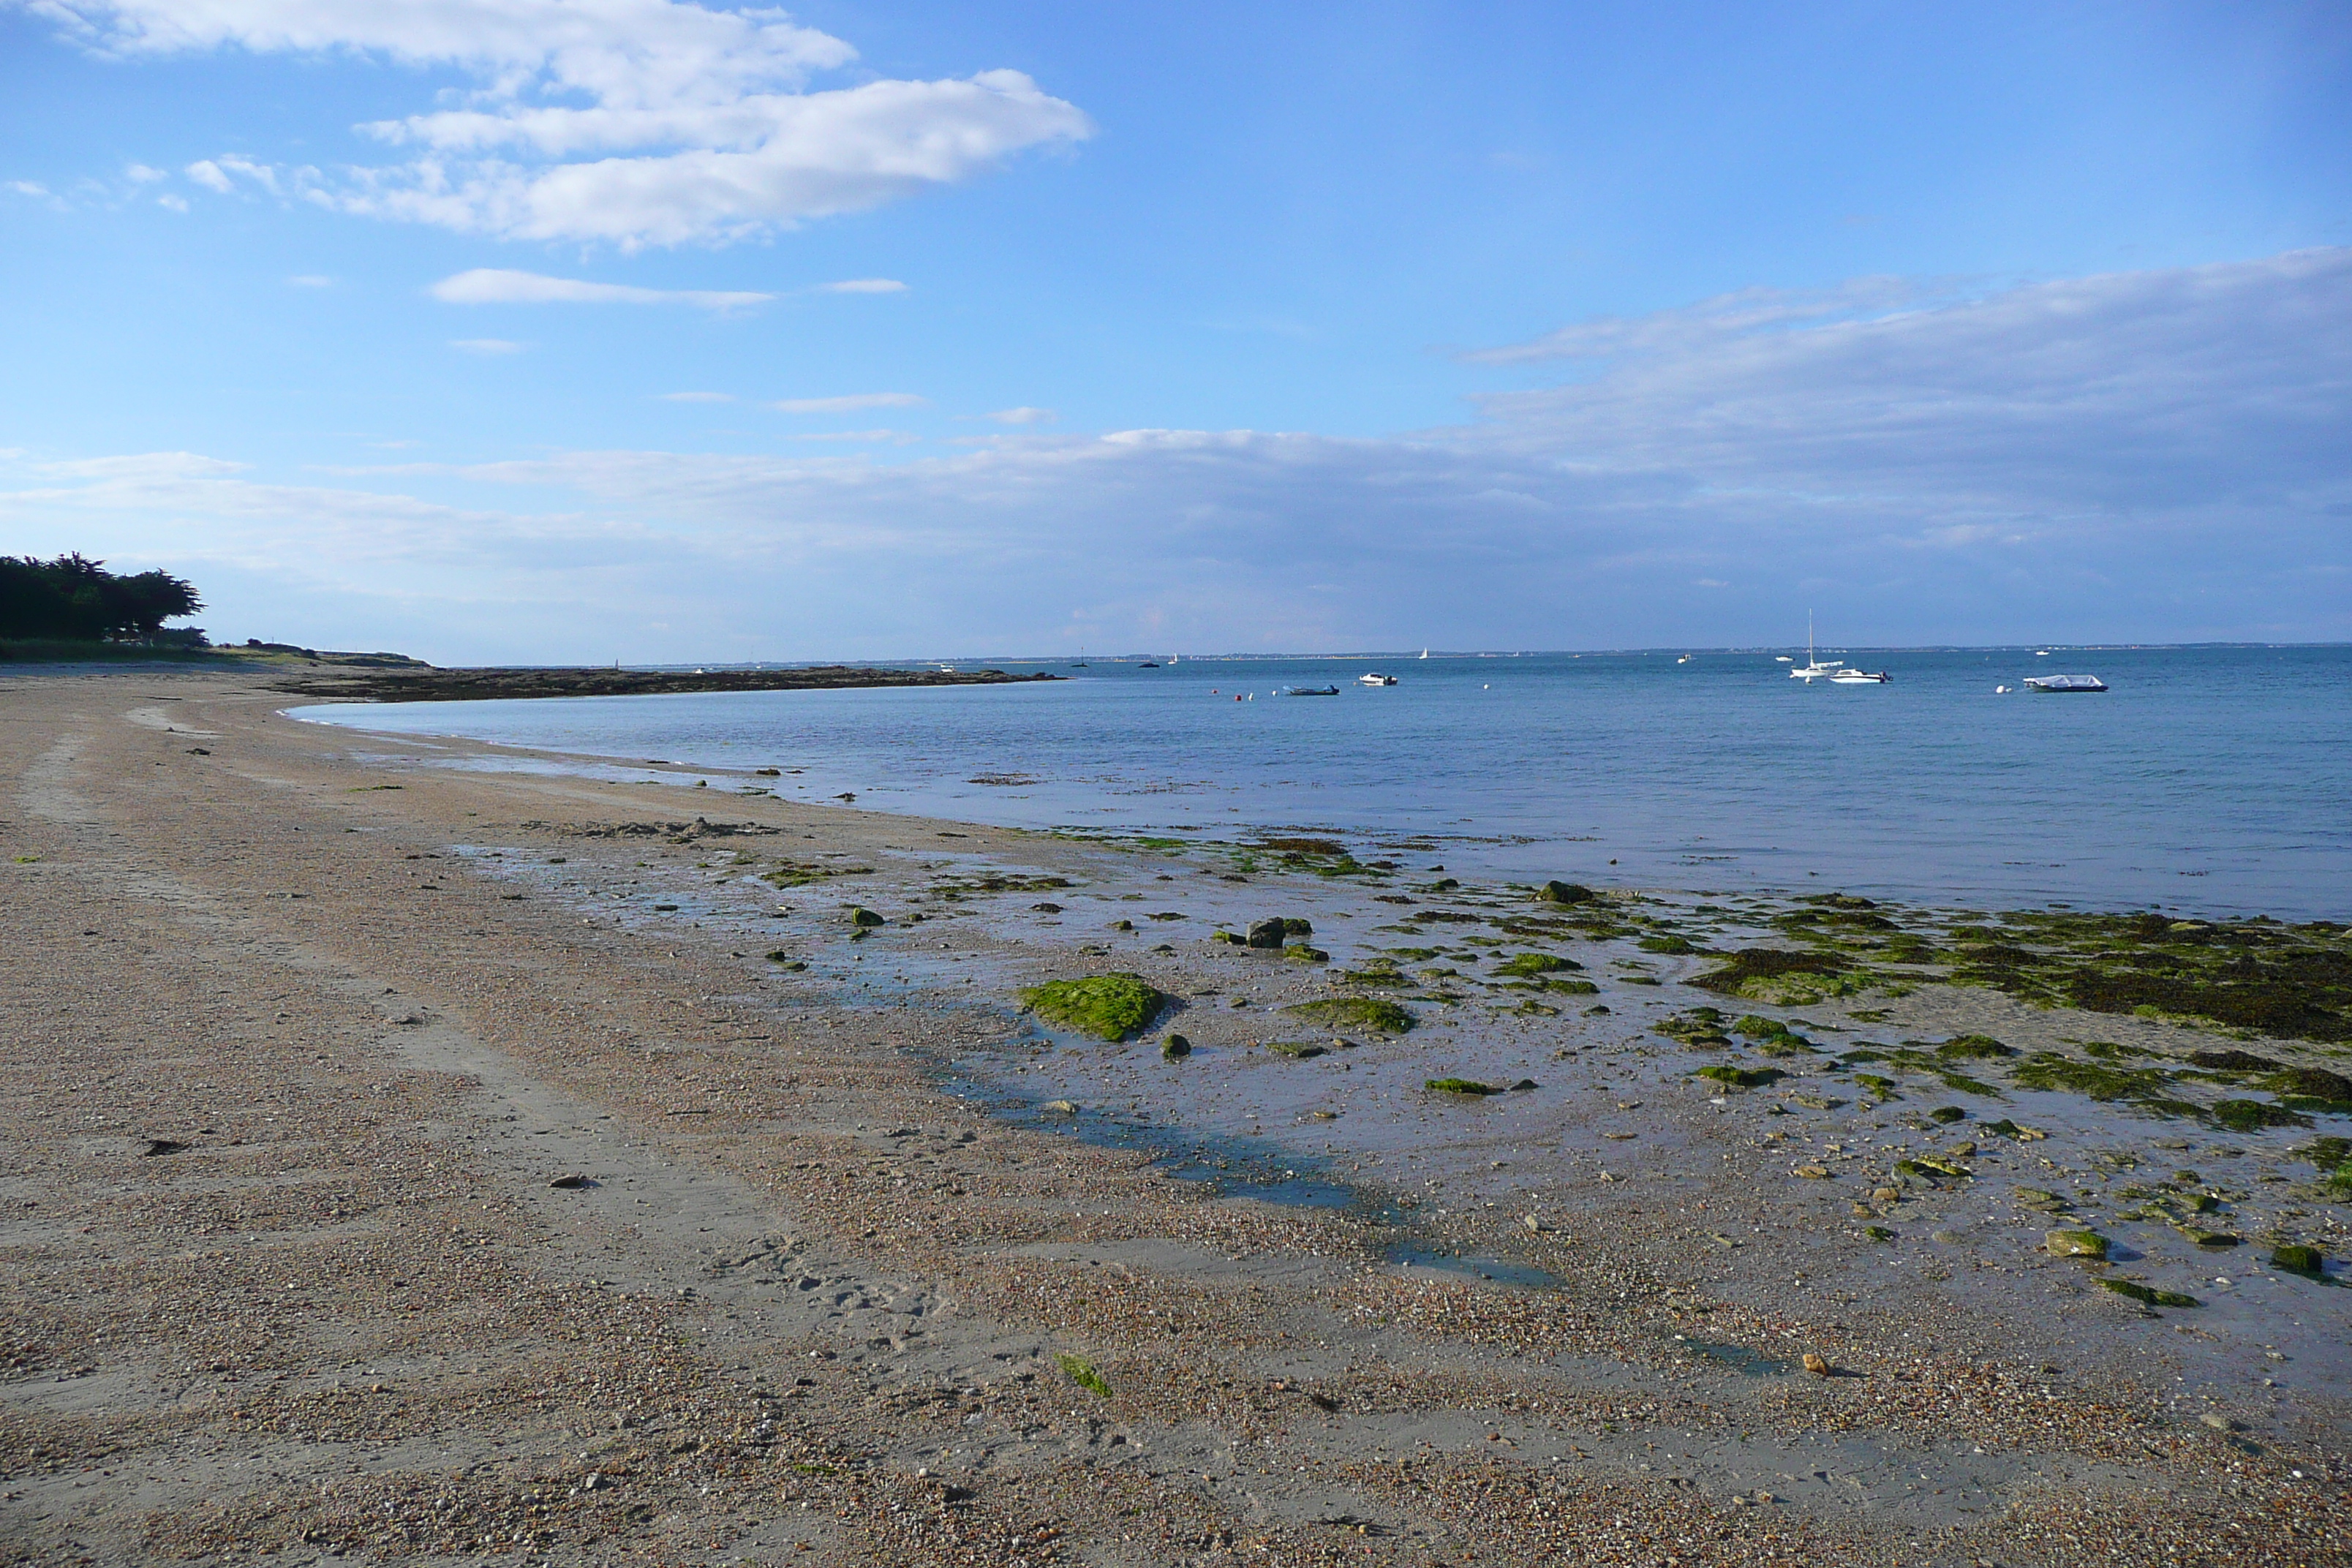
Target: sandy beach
column 410, row 1161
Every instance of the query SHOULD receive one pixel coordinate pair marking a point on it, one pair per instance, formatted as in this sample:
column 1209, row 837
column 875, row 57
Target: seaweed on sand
column 1107, row 1006
column 1781, row 977
column 2148, row 1088
column 1527, row 964
column 1374, row 1013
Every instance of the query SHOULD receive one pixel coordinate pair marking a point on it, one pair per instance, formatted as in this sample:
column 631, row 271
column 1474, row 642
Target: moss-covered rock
column 1107, row 1006
column 1742, row 1078
column 1526, row 965
column 1297, row 1050
column 2148, row 1296
column 2311, row 1083
column 1299, row 953
column 2254, row 1115
column 1781, row 977
column 861, row 916
column 2074, row 1244
column 1374, row 1013
column 2297, row 1257
column 1667, row 944
column 1559, row 892
column 1175, row 1049
column 1465, row 1086
column 1974, row 1047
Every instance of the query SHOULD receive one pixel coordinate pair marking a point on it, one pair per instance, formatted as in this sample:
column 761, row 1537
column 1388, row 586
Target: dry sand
column 302, row 1028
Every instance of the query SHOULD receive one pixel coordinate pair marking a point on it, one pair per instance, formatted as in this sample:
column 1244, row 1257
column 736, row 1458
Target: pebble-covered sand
column 407, row 1157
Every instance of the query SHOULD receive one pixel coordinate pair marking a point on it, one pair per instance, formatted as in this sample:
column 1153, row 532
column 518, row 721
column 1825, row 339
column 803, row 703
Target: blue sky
column 533, row 329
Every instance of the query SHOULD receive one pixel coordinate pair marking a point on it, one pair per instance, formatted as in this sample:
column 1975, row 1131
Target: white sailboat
column 1836, row 674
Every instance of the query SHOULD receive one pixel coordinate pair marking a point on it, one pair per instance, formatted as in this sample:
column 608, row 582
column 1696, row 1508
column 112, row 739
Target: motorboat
column 1148, row 664
column 2058, row 683
column 1375, row 679
column 1858, row 678
column 1311, row 691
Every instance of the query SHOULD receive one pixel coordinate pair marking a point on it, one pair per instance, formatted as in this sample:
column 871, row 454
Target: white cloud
column 632, row 122
column 864, row 286
column 2145, row 456
column 497, row 285
column 173, row 202
column 489, row 346
column 698, row 397
column 210, row 175
column 28, row 187
column 141, row 174
column 1023, row 416
column 849, row 403
column 310, row 280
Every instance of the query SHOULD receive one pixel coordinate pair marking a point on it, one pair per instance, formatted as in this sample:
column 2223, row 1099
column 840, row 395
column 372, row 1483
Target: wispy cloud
column 864, row 286
column 497, row 285
column 2151, row 455
column 28, row 187
column 489, row 346
column 141, row 174
column 310, row 280
column 629, row 122
column 1023, row 416
column 849, row 403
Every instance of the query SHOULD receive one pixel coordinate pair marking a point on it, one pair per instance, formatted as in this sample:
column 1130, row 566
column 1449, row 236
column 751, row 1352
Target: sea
column 2209, row 780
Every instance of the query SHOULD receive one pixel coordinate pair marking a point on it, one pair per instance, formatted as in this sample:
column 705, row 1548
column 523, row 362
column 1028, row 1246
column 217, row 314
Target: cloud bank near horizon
column 2144, row 455
column 631, row 123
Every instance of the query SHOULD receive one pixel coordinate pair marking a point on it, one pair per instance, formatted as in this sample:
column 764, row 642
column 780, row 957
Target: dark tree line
column 79, row 600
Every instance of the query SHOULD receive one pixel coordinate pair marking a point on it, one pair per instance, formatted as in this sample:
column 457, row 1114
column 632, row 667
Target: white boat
column 2060, row 683
column 1424, row 653
column 1836, row 674
column 1370, row 679
column 1685, row 660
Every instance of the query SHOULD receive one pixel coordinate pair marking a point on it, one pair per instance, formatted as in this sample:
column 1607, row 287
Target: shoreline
column 798, row 1273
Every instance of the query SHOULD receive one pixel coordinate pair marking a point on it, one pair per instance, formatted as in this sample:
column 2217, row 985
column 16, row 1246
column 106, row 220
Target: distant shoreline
column 343, row 683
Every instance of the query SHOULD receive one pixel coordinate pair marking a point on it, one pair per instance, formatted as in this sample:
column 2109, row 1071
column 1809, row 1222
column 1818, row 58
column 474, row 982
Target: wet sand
column 300, row 1046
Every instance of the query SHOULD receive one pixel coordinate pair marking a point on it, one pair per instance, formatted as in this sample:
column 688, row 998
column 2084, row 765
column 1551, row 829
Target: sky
column 543, row 331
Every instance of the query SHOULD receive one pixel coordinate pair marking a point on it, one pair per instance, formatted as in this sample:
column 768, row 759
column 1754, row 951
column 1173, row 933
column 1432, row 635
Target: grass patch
column 1374, row 1013
column 1107, row 1006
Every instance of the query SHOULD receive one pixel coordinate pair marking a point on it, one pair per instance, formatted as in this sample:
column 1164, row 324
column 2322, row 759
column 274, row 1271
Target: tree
column 76, row 599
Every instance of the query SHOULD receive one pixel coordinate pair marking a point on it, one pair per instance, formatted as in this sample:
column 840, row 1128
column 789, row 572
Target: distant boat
column 1374, row 680
column 1783, row 658
column 1424, row 653
column 1147, row 664
column 1685, row 660
column 1311, row 691
column 1836, row 674
column 2060, row 683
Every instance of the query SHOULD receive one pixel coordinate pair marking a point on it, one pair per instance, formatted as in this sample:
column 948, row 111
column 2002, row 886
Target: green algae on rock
column 1107, row 1006
column 1465, row 1086
column 2252, row 1115
column 1781, row 977
column 1527, row 965
column 1742, row 1078
column 1297, row 1050
column 2147, row 1296
column 2075, row 1244
column 2297, row 1257
column 1358, row 1013
column 1175, row 1048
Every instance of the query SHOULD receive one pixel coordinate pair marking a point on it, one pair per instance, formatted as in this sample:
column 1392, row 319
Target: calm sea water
column 2212, row 779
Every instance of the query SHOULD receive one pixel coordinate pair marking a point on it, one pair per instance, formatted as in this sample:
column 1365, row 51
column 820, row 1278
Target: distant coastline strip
column 345, row 683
